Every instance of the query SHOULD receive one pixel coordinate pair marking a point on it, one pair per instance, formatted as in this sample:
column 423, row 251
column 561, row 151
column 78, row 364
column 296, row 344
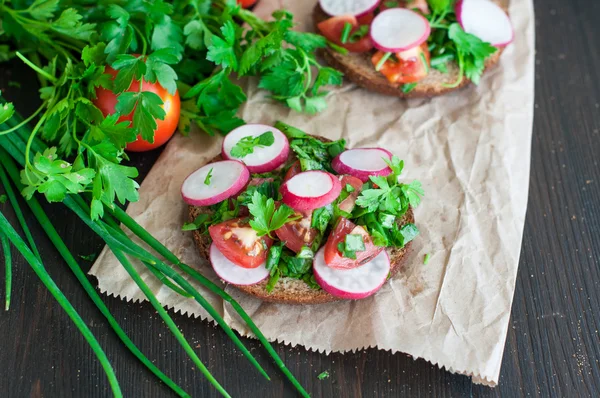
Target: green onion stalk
column 57, row 241
column 38, row 268
column 121, row 244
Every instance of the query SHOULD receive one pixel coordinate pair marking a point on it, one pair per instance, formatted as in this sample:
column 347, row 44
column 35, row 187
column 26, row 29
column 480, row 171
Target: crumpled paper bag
column 470, row 149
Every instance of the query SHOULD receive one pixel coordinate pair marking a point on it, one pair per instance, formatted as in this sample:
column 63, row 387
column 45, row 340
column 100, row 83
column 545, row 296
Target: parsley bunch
column 449, row 42
column 383, row 202
column 194, row 47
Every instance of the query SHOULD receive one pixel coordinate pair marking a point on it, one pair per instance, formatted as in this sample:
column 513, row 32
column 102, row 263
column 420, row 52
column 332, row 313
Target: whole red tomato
column 247, row 3
column 106, row 101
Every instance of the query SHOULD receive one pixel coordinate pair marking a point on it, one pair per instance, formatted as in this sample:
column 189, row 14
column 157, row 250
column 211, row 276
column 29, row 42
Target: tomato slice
column 240, row 243
column 348, row 203
column 299, row 233
column 334, row 258
column 366, row 19
column 296, row 168
column 408, row 66
column 332, row 29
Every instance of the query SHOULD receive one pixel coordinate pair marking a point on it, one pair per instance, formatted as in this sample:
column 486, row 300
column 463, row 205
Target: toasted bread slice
column 358, row 68
column 289, row 290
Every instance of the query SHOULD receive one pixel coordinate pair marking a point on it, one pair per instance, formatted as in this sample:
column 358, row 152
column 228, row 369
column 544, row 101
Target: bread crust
column 357, row 67
column 289, row 290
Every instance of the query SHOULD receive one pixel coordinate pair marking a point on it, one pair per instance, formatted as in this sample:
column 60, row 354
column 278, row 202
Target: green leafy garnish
column 472, row 52
column 346, row 32
column 323, row 375
column 314, row 154
column 208, row 177
column 359, row 33
column 3, row 199
column 408, row 87
column 246, row 145
column 352, row 243
column 265, row 218
column 426, row 259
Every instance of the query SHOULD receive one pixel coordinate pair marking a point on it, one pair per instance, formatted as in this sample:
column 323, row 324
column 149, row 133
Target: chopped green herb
column 408, row 87
column 89, row 257
column 424, row 62
column 3, row 199
column 426, row 259
column 349, row 188
column 197, row 224
column 352, row 243
column 323, row 375
column 246, row 145
column 265, row 218
column 359, row 33
column 385, row 57
column 346, row 32
column 337, row 48
column 208, row 177
column 391, row 4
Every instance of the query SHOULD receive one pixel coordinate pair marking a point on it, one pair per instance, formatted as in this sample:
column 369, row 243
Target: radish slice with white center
column 486, row 20
column 227, row 179
column 355, row 283
column 348, row 7
column 363, row 163
column 310, row 190
column 233, row 273
column 399, row 29
column 263, row 158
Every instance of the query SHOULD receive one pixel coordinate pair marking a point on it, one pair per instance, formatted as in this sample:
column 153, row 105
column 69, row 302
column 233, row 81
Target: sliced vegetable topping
column 344, row 249
column 486, row 20
column 399, row 29
column 363, row 163
column 262, row 148
column 214, row 183
column 348, row 7
column 241, row 244
column 233, row 273
column 404, row 67
column 298, row 233
column 351, row 187
column 352, row 284
column 346, row 31
column 310, row 190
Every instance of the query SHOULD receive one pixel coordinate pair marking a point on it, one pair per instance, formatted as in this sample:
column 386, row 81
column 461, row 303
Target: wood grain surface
column 553, row 345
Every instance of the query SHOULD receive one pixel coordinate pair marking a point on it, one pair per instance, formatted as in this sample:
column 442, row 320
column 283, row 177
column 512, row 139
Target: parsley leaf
column 222, row 50
column 472, row 52
column 246, row 145
column 208, row 177
column 352, row 243
column 323, row 375
column 6, row 111
column 265, row 218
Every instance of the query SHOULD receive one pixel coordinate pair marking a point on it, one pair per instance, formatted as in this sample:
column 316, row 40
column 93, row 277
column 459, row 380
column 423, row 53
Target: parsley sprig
column 450, row 42
column 265, row 217
column 246, row 145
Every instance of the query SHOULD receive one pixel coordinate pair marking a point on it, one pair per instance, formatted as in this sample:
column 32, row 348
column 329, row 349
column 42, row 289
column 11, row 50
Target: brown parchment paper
column 470, row 149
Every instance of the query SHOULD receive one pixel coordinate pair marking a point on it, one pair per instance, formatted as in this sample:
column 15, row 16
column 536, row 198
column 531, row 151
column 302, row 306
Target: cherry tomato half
column 332, row 29
column 247, row 3
column 298, row 233
column 106, row 101
column 407, row 66
column 240, row 243
column 334, row 258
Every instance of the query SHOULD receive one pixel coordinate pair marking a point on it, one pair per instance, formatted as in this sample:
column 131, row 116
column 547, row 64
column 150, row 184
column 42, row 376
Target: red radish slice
column 362, row 163
column 348, row 7
column 264, row 158
column 399, row 29
column 355, row 283
column 310, row 190
column 234, row 274
column 228, row 178
column 485, row 20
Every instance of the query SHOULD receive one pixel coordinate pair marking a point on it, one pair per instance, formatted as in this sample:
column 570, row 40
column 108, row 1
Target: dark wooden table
column 553, row 345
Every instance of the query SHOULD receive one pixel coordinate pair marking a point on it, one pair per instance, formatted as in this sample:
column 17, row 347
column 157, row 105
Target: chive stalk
column 346, row 32
column 385, row 57
column 168, row 320
column 56, row 240
column 131, row 247
column 8, row 269
column 162, row 250
column 40, row 271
